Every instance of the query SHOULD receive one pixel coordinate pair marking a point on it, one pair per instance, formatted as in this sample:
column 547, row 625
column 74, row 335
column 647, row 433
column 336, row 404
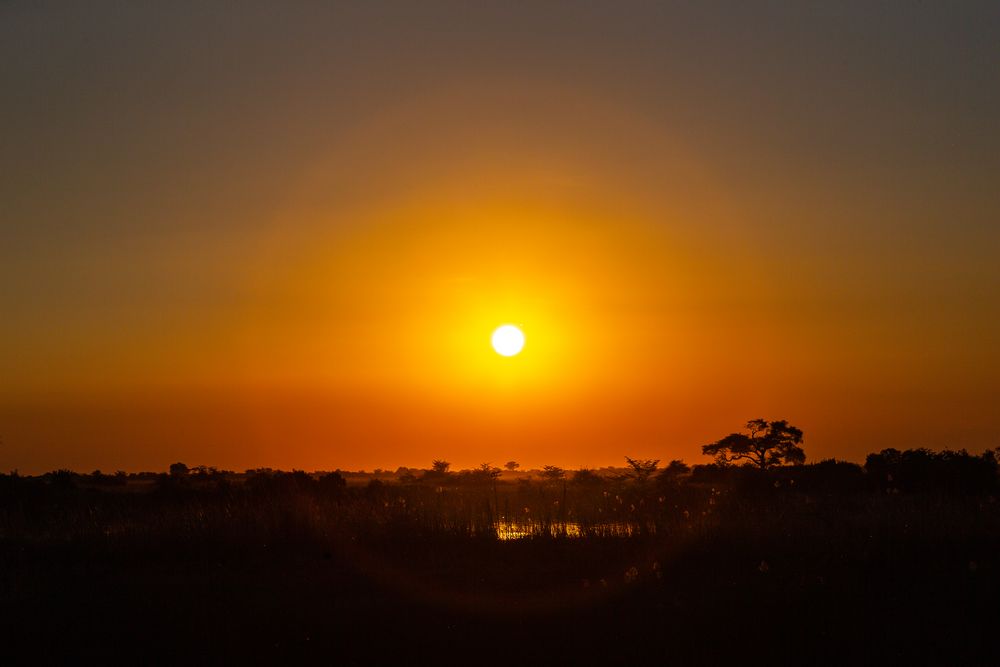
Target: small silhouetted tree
column 178, row 469
column 488, row 471
column 62, row 479
column 438, row 474
column 669, row 479
column 512, row 465
column 332, row 483
column 672, row 472
column 640, row 470
column 586, row 477
column 677, row 467
column 766, row 445
column 489, row 474
column 552, row 473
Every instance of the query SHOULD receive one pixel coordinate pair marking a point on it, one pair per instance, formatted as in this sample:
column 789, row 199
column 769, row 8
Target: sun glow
column 507, row 340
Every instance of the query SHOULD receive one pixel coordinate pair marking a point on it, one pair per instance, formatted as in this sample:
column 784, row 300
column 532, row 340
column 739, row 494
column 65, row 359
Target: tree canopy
column 766, row 445
column 640, row 470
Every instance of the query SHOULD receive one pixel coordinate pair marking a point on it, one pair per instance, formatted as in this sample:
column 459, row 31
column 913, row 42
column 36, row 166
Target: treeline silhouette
column 641, row 498
column 895, row 560
column 890, row 471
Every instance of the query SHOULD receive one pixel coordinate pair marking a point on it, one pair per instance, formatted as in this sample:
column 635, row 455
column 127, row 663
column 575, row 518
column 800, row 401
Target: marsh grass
column 274, row 566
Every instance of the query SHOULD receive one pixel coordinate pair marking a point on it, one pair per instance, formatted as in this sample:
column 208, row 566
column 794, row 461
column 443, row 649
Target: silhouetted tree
column 99, row 478
column 512, row 465
column 178, row 469
column 671, row 474
column 552, row 473
column 490, row 474
column 768, row 444
column 640, row 470
column 63, row 480
column 333, row 483
column 438, row 474
column 586, row 477
column 488, row 471
column 677, row 467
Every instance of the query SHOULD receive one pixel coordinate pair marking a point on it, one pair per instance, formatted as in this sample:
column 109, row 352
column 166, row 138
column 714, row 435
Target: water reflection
column 520, row 530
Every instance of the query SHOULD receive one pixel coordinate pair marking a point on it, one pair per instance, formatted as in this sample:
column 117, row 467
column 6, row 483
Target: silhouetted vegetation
column 640, row 470
column 553, row 473
column 768, row 444
column 894, row 561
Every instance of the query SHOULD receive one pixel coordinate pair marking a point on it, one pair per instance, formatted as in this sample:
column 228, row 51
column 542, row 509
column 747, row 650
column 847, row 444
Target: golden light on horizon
column 507, row 340
column 684, row 249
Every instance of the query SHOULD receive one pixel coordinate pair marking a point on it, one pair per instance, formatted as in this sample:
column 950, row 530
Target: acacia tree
column 488, row 471
column 767, row 444
column 438, row 472
column 552, row 473
column 641, row 470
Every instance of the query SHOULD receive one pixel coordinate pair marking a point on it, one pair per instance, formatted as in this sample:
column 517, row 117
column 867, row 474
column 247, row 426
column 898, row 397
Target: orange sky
column 258, row 244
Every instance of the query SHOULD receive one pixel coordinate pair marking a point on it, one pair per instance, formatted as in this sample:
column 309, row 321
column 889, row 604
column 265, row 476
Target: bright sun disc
column 507, row 340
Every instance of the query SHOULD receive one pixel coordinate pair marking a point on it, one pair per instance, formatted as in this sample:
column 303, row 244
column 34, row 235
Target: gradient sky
column 281, row 236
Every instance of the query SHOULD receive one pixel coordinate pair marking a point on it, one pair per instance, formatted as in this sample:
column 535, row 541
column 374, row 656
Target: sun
column 507, row 340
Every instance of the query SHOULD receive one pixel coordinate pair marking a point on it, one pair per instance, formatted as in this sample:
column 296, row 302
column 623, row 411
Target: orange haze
column 285, row 242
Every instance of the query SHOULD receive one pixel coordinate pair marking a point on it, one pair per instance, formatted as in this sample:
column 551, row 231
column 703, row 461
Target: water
column 571, row 529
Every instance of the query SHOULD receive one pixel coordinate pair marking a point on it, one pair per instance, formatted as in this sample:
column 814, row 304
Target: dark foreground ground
column 305, row 574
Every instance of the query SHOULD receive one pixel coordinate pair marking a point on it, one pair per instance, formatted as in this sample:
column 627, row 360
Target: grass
column 287, row 567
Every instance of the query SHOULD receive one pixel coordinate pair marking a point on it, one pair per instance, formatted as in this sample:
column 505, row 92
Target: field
column 827, row 563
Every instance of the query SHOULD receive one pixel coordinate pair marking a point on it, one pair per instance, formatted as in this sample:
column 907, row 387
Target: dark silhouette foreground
column 897, row 561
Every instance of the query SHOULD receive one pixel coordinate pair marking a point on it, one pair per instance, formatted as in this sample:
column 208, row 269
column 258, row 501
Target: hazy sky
column 281, row 235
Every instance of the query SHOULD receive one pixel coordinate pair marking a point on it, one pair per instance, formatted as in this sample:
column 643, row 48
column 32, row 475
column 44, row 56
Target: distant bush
column 827, row 477
column 332, row 483
column 62, row 480
column 586, row 478
column 925, row 471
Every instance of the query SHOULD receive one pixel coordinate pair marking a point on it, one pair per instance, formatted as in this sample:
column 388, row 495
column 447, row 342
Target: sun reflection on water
column 570, row 529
